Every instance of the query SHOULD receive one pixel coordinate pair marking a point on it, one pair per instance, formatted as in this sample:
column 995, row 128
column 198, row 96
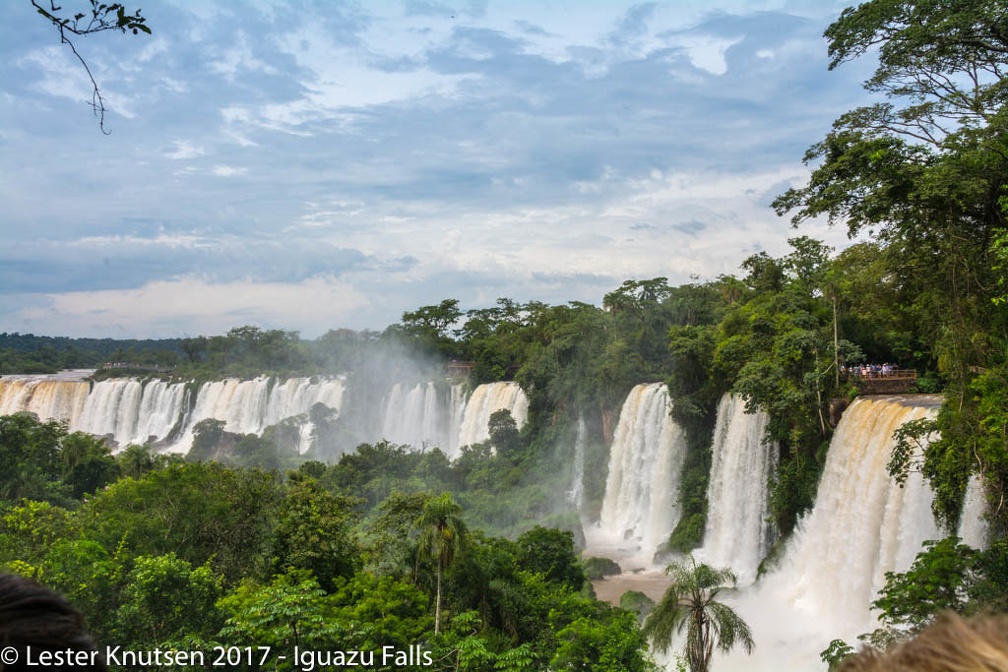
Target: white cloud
column 239, row 57
column 228, row 171
column 193, row 305
column 184, row 149
column 706, row 52
column 384, row 156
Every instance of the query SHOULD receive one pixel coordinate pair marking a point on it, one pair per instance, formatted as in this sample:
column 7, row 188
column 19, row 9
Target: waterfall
column 131, row 411
column 250, row 406
column 134, row 411
column 640, row 508
column 416, row 416
column 456, row 409
column 45, row 396
column 485, row 401
column 576, row 493
column 861, row 526
column 973, row 527
column 738, row 532
column 863, row 523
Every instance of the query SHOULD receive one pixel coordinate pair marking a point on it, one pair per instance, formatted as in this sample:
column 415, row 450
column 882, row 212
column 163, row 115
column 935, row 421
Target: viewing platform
column 459, row 369
column 132, row 366
column 890, row 381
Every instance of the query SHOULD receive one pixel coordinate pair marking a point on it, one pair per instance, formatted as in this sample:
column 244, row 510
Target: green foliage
column 792, row 489
column 389, row 537
column 202, row 511
column 29, row 459
column 292, row 610
column 551, row 553
column 88, row 464
column 313, row 531
column 504, row 435
column 912, row 439
column 166, row 600
column 937, row 580
column 45, row 461
column 442, row 538
column 598, row 568
column 29, row 529
column 28, row 353
column 383, row 611
column 837, row 651
column 925, row 172
column 636, row 601
column 430, row 327
column 946, row 575
column 614, row 645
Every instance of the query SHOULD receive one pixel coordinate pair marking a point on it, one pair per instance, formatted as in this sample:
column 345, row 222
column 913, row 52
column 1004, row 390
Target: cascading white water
column 415, row 416
column 250, row 406
column 576, row 493
column 738, row 530
column 640, row 507
column 48, row 397
column 863, row 523
column 485, row 401
column 456, row 409
column 861, row 526
column 132, row 411
column 973, row 526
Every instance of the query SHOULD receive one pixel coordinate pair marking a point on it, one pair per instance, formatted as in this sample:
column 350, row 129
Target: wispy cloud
column 397, row 154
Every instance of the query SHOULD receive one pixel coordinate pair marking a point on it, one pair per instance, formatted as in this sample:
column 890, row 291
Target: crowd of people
column 886, row 370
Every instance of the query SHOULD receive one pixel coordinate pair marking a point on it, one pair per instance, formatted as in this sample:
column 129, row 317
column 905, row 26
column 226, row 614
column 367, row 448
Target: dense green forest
column 186, row 555
column 390, row 546
column 28, row 353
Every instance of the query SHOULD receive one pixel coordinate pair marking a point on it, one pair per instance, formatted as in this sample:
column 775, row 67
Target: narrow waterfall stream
column 738, row 532
column 640, row 508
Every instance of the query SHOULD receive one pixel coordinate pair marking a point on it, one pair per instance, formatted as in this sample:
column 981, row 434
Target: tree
column 30, row 458
column 165, row 600
column 551, row 553
column 442, row 538
column 100, row 18
column 429, row 328
column 313, row 531
column 926, row 173
column 504, row 434
column 135, row 461
column 88, row 463
column 602, row 645
column 690, row 603
column 291, row 611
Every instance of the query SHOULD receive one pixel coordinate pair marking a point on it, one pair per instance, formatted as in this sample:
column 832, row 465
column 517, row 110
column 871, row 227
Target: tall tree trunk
column 437, row 603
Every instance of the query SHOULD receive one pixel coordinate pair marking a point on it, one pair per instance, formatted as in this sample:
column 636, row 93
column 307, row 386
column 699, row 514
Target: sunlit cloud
column 193, row 305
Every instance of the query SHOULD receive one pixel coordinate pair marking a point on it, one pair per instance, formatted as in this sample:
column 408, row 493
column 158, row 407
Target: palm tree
column 690, row 604
column 442, row 536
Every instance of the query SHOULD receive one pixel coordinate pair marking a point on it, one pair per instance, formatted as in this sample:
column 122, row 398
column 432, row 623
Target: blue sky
column 317, row 165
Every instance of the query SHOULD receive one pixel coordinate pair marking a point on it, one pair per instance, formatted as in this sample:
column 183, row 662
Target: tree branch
column 103, row 17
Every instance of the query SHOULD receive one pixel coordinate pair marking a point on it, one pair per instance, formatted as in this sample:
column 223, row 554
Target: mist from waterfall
column 576, row 493
column 417, row 415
